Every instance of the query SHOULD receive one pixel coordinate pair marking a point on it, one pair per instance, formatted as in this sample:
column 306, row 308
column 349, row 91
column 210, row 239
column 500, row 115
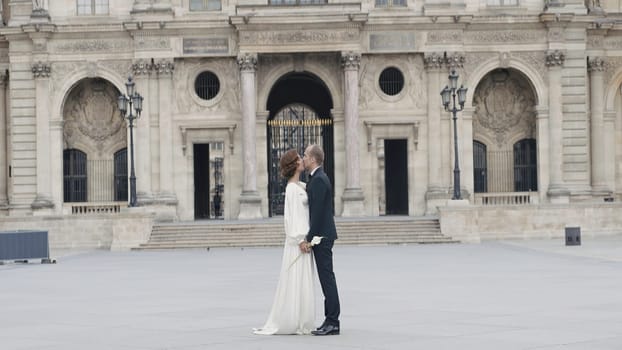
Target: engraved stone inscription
column 206, row 46
column 89, row 46
column 298, row 37
column 392, row 41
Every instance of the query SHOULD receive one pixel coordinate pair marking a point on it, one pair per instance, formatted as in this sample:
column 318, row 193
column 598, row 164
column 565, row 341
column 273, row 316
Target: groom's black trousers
column 323, row 253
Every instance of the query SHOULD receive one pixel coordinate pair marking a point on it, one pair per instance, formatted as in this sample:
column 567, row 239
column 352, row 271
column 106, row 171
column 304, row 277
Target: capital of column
column 164, row 67
column 595, row 64
column 455, row 60
column 433, row 61
column 350, row 60
column 555, row 58
column 41, row 70
column 247, row 62
column 142, row 67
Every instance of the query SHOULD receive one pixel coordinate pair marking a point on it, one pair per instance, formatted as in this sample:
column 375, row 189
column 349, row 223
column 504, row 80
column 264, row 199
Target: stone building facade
column 228, row 85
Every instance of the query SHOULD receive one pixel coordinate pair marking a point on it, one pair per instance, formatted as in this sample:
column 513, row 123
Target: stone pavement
column 535, row 294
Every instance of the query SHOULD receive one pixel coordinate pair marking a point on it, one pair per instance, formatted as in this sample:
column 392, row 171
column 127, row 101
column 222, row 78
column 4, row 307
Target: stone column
column 436, row 195
column 597, row 132
column 164, row 68
column 250, row 202
column 43, row 201
column 142, row 71
column 353, row 197
column 557, row 192
column 3, row 141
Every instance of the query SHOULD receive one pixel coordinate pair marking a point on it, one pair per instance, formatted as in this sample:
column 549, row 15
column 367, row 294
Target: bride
column 293, row 309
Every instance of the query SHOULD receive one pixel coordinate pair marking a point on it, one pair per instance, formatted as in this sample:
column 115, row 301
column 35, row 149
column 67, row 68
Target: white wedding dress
column 293, row 309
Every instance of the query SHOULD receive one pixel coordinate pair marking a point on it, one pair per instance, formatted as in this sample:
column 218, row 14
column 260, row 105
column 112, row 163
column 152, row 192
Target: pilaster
column 166, row 197
column 4, row 197
column 142, row 71
column 599, row 156
column 353, row 197
column 43, row 201
column 557, row 191
column 250, row 202
column 436, row 195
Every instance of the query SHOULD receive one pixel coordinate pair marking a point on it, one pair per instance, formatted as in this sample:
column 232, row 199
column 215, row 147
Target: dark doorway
column 396, row 176
column 525, row 166
column 480, row 167
column 201, row 181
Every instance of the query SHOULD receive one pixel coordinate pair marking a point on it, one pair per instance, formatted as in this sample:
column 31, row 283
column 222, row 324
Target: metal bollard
column 573, row 235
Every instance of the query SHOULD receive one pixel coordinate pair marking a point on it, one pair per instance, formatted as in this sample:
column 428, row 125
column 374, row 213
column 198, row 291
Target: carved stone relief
column 611, row 66
column 92, row 121
column 444, row 36
column 226, row 70
column 90, row 46
column 411, row 66
column 504, row 105
column 505, row 36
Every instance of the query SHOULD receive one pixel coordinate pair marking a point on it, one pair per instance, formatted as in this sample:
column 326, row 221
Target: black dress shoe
column 322, row 326
column 328, row 329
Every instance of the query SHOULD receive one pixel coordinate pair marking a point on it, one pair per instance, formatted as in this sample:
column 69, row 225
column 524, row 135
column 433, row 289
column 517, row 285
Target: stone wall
column 474, row 224
column 119, row 232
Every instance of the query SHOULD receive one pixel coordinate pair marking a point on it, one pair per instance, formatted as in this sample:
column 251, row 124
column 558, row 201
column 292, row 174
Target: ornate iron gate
column 295, row 126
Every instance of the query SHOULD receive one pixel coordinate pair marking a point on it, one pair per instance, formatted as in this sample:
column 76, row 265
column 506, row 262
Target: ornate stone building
column 229, row 85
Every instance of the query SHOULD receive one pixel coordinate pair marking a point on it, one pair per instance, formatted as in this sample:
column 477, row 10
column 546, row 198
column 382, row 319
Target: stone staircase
column 269, row 233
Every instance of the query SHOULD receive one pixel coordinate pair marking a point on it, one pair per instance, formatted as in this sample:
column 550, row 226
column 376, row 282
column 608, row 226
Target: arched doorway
column 504, row 133
column 299, row 106
column 94, row 144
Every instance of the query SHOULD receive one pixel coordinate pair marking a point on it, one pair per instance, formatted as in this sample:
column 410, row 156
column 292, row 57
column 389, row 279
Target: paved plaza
column 535, row 294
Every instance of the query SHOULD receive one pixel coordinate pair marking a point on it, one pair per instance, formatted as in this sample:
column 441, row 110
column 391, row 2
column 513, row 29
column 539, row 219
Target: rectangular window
column 92, row 7
column 390, row 3
column 297, row 2
column 205, row 5
column 502, row 2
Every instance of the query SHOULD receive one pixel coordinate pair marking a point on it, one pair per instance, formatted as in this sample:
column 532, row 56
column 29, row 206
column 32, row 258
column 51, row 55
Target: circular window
column 391, row 81
column 207, row 85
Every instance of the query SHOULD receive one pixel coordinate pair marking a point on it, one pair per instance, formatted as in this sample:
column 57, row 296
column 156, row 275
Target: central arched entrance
column 299, row 106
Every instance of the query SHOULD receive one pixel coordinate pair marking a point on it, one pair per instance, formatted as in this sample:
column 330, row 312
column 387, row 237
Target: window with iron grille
column 120, row 175
column 391, row 81
column 390, row 3
column 207, row 85
column 74, row 176
column 525, row 166
column 205, row 5
column 298, row 2
column 480, row 167
column 92, row 7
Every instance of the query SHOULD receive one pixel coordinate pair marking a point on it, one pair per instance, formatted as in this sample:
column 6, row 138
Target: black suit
column 322, row 223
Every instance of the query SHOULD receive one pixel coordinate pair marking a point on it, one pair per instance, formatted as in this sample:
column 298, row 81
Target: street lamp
column 136, row 100
column 448, row 94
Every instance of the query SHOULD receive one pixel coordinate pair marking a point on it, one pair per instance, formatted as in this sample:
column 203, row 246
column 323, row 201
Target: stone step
column 391, row 237
column 269, row 233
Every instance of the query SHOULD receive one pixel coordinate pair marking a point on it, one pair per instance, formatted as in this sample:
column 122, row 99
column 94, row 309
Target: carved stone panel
column 93, row 123
column 504, row 106
column 67, row 46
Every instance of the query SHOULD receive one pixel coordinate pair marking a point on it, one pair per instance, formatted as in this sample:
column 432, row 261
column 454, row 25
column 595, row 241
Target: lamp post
column 447, row 95
column 135, row 100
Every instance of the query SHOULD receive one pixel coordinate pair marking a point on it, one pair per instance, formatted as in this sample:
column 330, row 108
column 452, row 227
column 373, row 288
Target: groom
column 321, row 223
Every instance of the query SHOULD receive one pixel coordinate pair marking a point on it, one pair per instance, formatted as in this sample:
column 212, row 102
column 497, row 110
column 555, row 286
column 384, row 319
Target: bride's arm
column 296, row 223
